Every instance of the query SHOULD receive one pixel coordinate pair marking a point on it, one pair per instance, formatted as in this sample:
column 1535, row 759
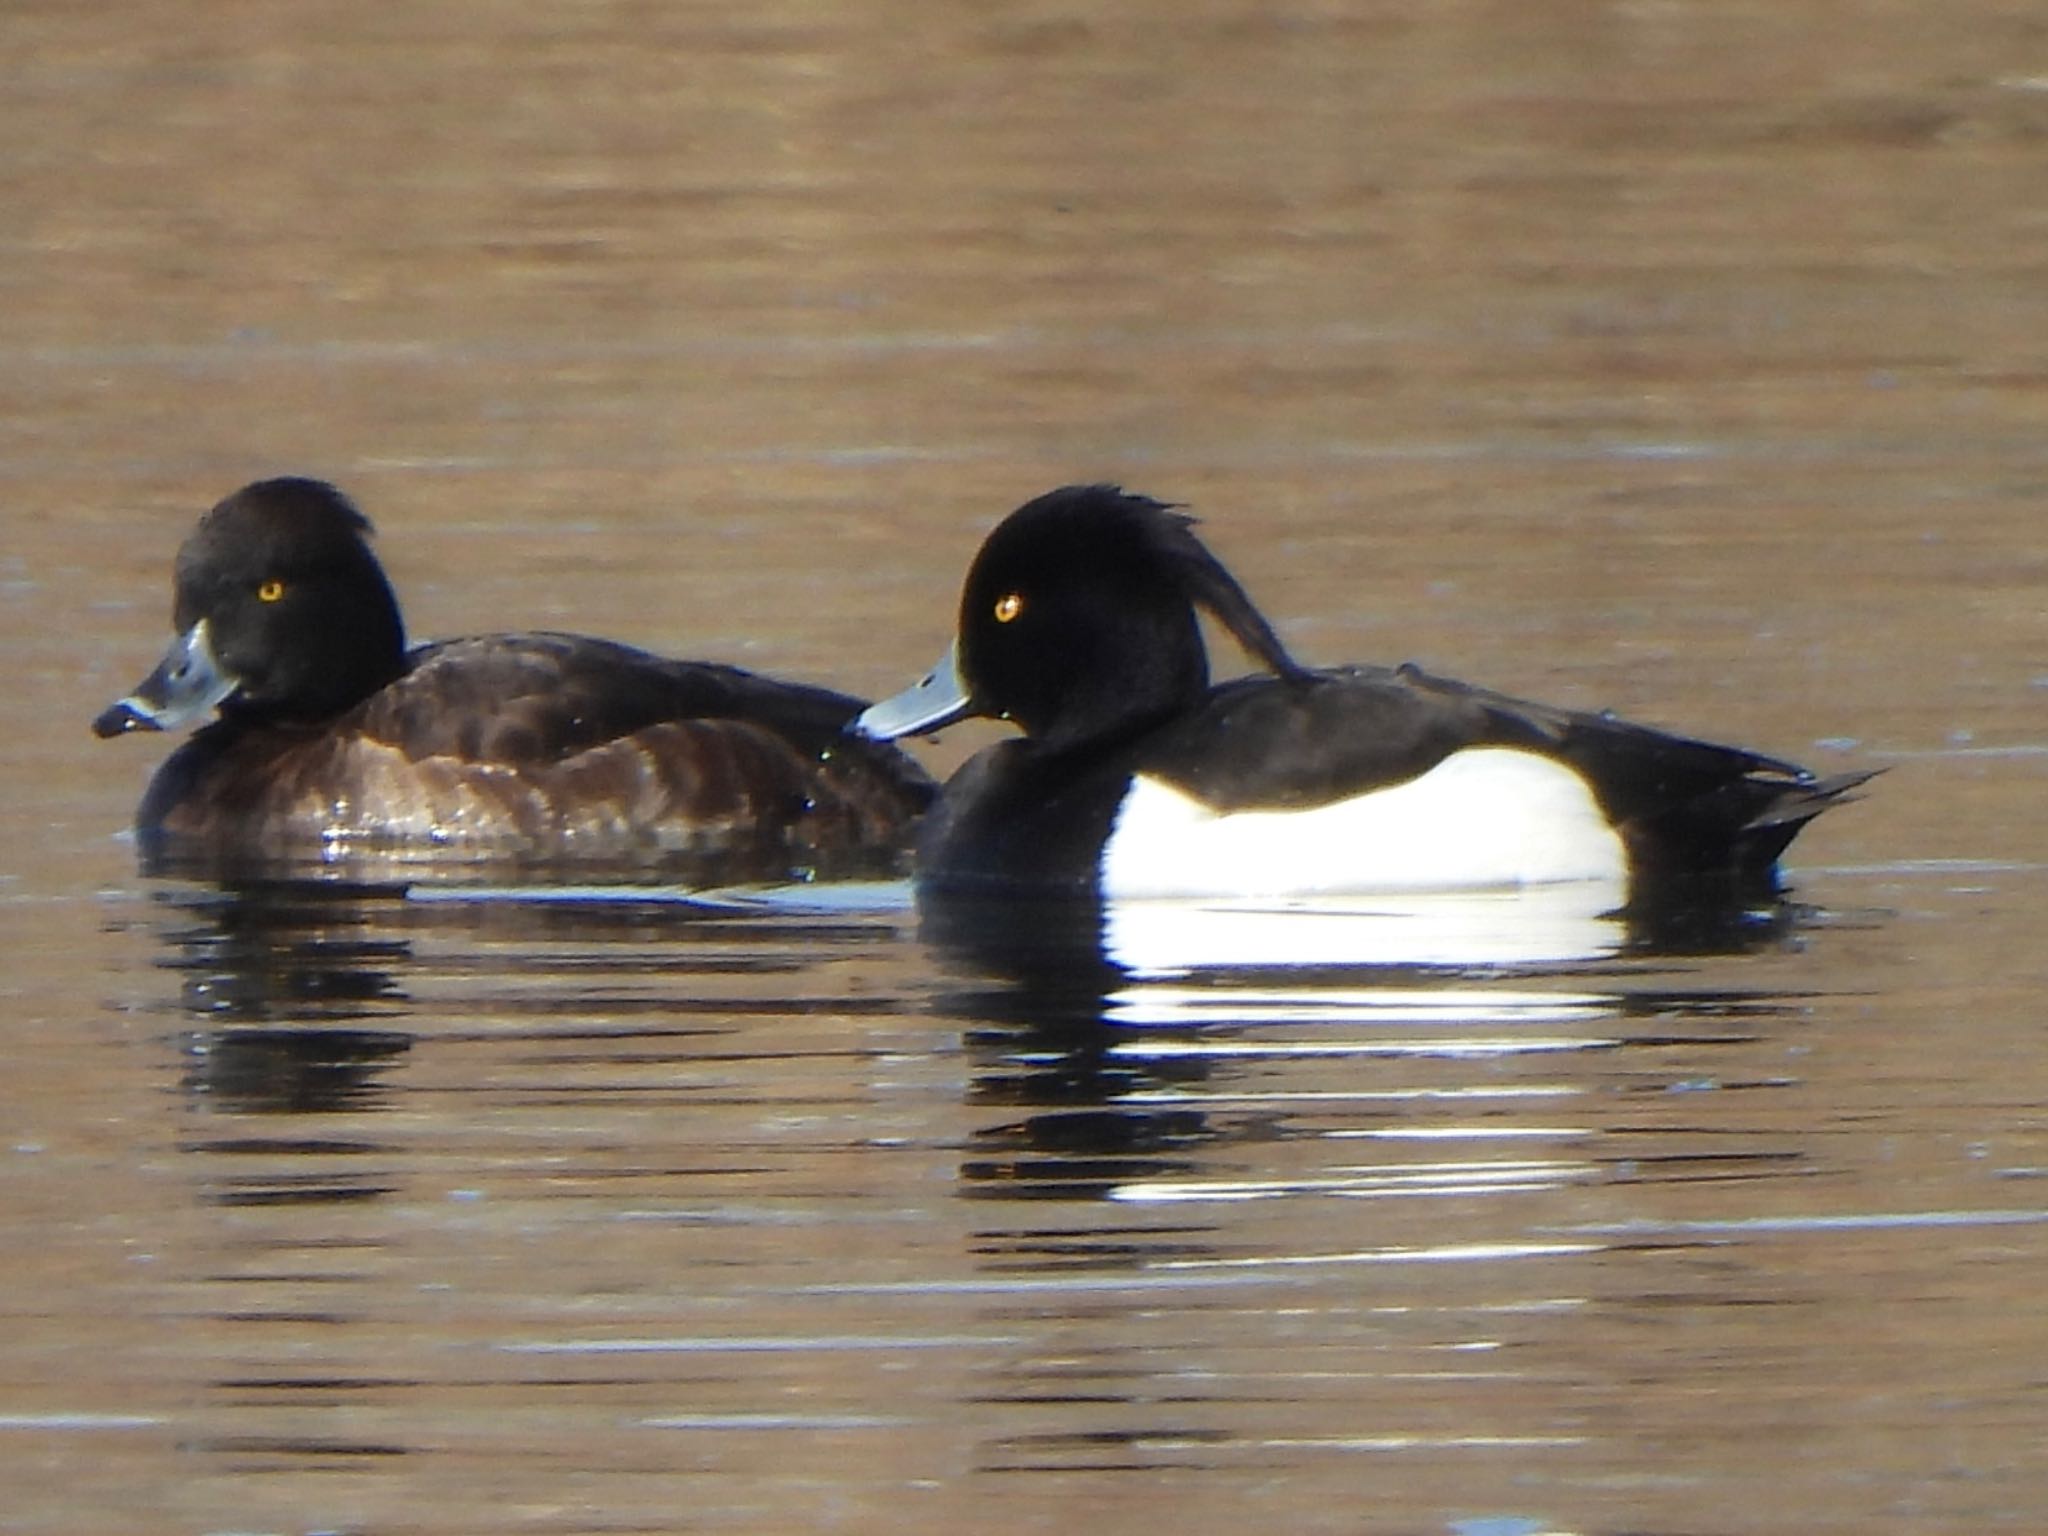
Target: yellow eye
column 1008, row 606
column 270, row 591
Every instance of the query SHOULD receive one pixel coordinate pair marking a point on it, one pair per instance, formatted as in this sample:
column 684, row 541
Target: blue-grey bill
column 186, row 685
column 936, row 700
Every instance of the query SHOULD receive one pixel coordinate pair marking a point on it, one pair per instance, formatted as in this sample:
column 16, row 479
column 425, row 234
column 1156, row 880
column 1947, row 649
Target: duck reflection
column 290, row 1072
column 291, row 993
column 1082, row 1127
column 1150, row 1045
column 301, row 994
column 1078, row 941
column 283, row 980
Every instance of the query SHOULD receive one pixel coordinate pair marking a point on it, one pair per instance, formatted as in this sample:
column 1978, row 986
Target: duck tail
column 1771, row 827
column 1725, row 843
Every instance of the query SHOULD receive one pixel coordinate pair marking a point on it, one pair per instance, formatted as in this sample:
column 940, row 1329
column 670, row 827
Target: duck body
column 539, row 748
column 1137, row 778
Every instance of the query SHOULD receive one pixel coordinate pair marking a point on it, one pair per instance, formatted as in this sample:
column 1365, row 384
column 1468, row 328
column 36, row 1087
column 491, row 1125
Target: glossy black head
column 1078, row 615
column 281, row 612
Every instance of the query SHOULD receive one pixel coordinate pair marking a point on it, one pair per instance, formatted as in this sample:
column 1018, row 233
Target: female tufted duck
column 333, row 738
column 1136, row 777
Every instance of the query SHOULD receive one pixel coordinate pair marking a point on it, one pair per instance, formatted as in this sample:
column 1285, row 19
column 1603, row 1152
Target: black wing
column 1686, row 807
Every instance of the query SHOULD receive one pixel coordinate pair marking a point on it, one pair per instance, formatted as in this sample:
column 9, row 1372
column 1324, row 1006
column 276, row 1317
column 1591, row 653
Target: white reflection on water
column 1462, row 1046
column 1313, row 1097
column 1535, row 925
column 1449, row 1004
column 78, row 1421
column 1473, row 1178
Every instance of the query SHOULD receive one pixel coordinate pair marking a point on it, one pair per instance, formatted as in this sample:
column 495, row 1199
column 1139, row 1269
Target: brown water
column 1687, row 359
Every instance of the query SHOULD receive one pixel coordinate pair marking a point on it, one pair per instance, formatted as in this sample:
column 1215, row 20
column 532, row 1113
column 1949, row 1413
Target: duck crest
column 1210, row 586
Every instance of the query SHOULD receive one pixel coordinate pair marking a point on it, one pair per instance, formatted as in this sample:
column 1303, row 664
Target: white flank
column 1483, row 819
column 1557, row 923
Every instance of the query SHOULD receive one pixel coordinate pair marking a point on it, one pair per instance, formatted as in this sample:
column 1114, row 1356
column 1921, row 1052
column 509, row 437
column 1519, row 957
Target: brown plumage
column 541, row 749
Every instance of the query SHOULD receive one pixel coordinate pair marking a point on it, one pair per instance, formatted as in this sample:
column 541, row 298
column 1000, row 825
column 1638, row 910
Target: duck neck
column 1162, row 684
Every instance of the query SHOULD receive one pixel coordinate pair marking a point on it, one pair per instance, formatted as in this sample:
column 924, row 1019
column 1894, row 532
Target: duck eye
column 270, row 591
column 1008, row 606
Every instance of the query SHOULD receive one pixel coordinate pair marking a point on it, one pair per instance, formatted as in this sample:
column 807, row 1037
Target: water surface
column 1680, row 359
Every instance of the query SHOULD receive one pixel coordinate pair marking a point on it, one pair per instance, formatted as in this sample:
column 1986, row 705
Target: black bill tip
column 119, row 719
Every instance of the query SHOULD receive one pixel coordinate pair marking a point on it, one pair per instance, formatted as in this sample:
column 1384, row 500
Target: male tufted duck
column 333, row 737
column 1136, row 777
